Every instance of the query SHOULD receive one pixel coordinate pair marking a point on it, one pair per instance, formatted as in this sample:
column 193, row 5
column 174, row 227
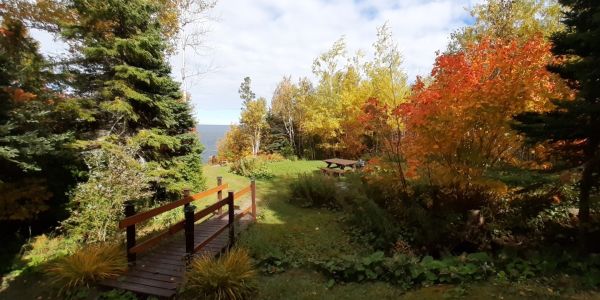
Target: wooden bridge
column 157, row 265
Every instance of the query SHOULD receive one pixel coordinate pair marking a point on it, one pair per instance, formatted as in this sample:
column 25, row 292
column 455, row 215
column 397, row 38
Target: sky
column 269, row 39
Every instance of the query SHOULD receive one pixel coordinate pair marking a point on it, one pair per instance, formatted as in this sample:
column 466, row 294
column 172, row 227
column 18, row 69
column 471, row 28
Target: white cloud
column 267, row 39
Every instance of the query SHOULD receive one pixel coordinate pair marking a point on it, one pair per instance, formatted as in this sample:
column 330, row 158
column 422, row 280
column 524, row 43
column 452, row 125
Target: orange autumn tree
column 384, row 126
column 458, row 126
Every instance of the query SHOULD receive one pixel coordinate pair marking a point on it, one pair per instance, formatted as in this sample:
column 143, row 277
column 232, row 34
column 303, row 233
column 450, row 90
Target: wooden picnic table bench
column 334, row 172
column 340, row 163
column 337, row 166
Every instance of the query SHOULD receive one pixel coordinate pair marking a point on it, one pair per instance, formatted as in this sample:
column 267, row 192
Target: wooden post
column 253, row 196
column 231, row 220
column 219, row 194
column 186, row 194
column 130, row 211
column 189, row 229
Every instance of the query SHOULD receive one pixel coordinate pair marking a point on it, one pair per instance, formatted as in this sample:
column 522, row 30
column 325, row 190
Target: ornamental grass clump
column 231, row 276
column 87, row 265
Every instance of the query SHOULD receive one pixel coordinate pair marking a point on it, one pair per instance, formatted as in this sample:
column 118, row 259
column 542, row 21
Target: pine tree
column 574, row 125
column 34, row 165
column 122, row 67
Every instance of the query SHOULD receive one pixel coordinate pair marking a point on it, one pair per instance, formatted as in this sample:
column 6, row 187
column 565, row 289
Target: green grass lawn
column 297, row 234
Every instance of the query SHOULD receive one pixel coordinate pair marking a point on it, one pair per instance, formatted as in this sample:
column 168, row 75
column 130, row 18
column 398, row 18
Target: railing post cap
column 190, row 208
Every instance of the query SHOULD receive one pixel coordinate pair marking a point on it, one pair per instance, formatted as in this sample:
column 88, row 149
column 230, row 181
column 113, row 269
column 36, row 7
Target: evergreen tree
column 245, row 91
column 574, row 125
column 34, row 167
column 123, row 69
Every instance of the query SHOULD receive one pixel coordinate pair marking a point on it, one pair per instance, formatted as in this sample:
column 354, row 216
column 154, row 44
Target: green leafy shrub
column 314, row 190
column 115, row 176
column 251, row 167
column 87, row 265
column 409, row 271
column 44, row 248
column 231, row 276
column 374, row 223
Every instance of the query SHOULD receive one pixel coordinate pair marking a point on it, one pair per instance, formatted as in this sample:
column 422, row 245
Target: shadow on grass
column 296, row 234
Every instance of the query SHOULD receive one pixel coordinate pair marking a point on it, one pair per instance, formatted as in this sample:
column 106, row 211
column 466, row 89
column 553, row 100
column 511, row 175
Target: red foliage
column 459, row 124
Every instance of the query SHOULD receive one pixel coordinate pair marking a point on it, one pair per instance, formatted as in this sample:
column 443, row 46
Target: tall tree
column 245, row 91
column 389, row 86
column 509, row 19
column 121, row 66
column 234, row 145
column 254, row 122
column 574, row 125
column 32, row 140
column 459, row 125
column 322, row 111
column 284, row 105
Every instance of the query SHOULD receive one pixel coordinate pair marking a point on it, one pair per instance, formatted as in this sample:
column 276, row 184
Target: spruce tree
column 122, row 67
column 34, row 165
column 574, row 125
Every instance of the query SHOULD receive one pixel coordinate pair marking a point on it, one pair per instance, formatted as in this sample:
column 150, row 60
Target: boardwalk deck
column 159, row 272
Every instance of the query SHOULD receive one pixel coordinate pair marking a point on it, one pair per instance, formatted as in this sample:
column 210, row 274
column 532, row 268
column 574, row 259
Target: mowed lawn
column 295, row 234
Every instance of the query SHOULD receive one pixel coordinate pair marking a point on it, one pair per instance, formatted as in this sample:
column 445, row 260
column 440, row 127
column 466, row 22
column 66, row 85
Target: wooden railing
column 187, row 224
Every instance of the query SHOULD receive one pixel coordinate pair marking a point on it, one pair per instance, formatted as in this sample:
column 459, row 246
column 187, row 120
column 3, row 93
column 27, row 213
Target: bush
column 251, row 167
column 272, row 157
column 87, row 265
column 375, row 224
column 231, row 276
column 407, row 271
column 314, row 190
column 115, row 176
column 43, row 248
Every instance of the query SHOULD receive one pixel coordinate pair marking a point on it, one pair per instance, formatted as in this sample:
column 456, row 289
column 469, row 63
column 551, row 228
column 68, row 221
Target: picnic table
column 333, row 163
column 336, row 166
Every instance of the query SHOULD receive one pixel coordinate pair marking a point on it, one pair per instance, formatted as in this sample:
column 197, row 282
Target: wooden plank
column 209, row 210
column 159, row 210
column 166, row 258
column 161, row 266
column 242, row 192
column 145, row 245
column 139, row 288
column 201, row 195
column 149, row 282
column 157, row 270
column 212, row 237
column 155, row 276
column 177, row 263
column 161, row 270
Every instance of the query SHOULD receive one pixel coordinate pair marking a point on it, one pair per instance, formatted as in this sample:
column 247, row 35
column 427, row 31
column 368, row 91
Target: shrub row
column 407, row 271
column 251, row 167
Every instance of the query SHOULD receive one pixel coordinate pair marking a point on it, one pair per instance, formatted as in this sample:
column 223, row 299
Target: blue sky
column 267, row 39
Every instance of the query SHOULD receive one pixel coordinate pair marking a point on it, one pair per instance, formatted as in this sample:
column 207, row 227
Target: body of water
column 209, row 136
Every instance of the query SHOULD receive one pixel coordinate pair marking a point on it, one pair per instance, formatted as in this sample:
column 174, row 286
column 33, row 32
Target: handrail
column 177, row 227
column 243, row 191
column 210, row 238
column 169, row 206
column 190, row 218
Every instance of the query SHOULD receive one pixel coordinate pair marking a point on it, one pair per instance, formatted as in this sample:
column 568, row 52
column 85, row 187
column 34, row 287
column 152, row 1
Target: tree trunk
column 585, row 185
